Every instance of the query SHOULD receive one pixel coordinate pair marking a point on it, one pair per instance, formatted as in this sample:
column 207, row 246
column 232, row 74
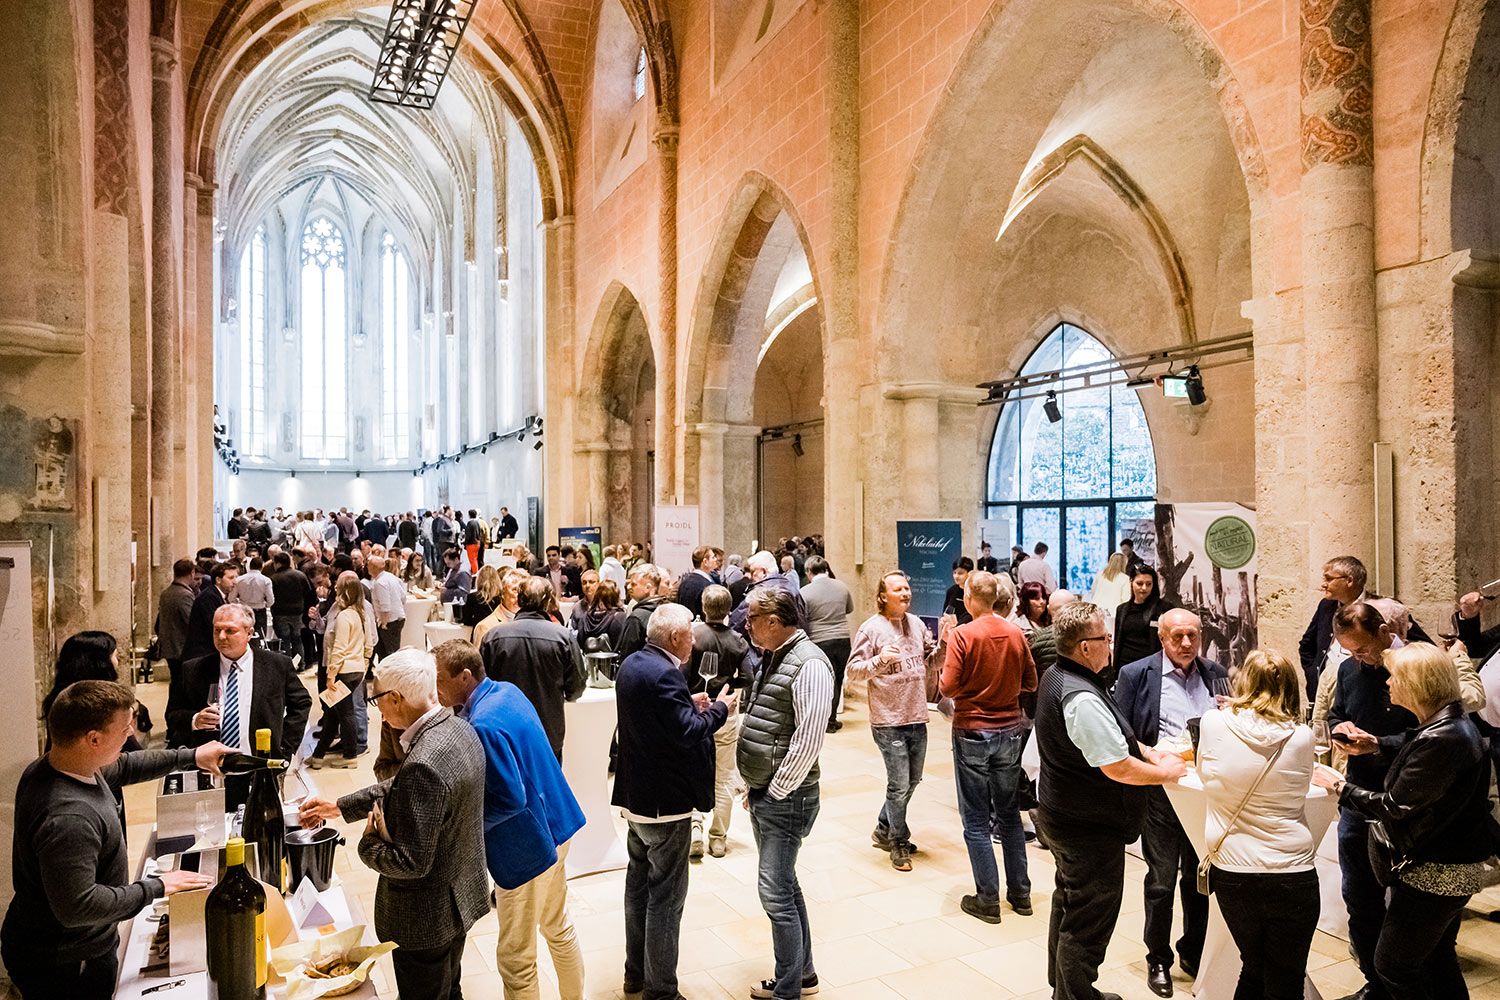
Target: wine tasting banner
column 675, row 538
column 925, row 552
column 580, row 538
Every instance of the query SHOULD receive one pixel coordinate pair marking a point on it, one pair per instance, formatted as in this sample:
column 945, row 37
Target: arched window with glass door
column 1077, row 483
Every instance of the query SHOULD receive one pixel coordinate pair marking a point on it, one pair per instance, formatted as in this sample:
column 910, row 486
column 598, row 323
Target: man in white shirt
column 253, row 590
column 1037, row 570
column 388, row 597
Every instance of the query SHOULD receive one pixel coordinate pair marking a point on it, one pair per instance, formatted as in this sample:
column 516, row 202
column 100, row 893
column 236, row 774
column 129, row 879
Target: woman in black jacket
column 1435, row 810
column 1136, row 635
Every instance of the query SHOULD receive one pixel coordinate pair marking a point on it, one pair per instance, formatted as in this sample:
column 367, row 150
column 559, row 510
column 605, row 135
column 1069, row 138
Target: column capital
column 1478, row 269
column 163, row 58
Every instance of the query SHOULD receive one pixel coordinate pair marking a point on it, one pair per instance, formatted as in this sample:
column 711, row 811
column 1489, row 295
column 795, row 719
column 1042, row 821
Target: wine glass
column 203, row 824
column 1321, row 742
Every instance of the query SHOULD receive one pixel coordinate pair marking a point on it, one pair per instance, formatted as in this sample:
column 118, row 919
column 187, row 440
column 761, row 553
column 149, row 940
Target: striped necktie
column 229, row 714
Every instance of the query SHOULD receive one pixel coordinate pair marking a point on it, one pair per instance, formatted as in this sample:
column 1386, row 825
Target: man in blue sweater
column 665, row 772
column 529, row 816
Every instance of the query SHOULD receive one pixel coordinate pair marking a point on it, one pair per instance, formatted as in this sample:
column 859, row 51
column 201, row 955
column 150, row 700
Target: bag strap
column 1246, row 800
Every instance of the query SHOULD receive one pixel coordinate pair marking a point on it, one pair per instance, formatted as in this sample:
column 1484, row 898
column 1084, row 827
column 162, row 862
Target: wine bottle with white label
column 234, row 918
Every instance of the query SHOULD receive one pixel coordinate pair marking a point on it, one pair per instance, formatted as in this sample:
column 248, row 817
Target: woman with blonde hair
column 483, row 599
column 1111, row 588
column 1255, row 759
column 345, row 656
column 1434, row 811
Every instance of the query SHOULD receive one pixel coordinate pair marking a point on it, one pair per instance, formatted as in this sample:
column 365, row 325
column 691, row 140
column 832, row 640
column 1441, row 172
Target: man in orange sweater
column 987, row 671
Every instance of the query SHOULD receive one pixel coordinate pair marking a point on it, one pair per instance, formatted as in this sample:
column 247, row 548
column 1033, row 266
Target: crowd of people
column 728, row 679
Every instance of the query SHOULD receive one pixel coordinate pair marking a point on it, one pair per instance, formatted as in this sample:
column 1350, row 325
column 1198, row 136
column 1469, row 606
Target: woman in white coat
column 1256, row 762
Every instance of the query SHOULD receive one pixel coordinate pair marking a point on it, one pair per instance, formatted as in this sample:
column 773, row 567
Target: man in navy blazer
column 665, row 771
column 529, row 816
column 1158, row 695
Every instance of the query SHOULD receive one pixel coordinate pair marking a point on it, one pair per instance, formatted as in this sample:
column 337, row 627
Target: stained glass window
column 1078, row 483
column 325, row 400
column 253, row 346
column 395, row 319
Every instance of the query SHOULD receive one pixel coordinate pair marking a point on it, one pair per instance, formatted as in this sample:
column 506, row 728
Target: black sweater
column 69, row 862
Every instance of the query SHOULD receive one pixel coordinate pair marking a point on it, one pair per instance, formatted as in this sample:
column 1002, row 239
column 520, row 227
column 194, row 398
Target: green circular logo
column 1230, row 542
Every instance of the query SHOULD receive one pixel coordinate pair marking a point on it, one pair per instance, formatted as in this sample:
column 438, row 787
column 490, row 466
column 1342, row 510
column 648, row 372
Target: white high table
column 590, row 727
column 1219, row 969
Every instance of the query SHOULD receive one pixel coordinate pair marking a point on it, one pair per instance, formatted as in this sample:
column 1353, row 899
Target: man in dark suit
column 1344, row 579
column 690, row 589
column 174, row 609
column 376, row 530
column 237, row 526
column 665, row 772
column 509, row 527
column 1158, row 695
column 538, row 656
column 258, row 689
column 199, row 640
column 425, row 830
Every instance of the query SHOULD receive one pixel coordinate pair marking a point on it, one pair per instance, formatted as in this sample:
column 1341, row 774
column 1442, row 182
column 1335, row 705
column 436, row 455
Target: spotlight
column 484, row 449
column 1194, row 385
column 536, row 423
column 1050, row 407
column 415, row 474
column 522, row 435
column 357, row 473
column 537, row 446
column 797, row 448
column 996, row 392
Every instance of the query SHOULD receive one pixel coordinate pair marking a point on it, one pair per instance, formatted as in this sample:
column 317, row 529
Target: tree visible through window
column 325, row 410
column 638, row 85
column 1077, row 484
column 253, row 346
column 395, row 318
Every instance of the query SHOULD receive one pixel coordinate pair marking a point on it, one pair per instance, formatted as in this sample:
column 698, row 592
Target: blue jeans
column 780, row 827
column 361, row 717
column 288, row 630
column 656, row 885
column 1364, row 896
column 904, row 749
column 987, row 768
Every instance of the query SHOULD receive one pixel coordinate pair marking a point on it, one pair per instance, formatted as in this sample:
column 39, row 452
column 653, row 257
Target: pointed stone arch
column 617, row 409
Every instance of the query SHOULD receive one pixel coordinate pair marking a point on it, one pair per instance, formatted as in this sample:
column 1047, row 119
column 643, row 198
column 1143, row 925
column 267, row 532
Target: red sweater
column 987, row 668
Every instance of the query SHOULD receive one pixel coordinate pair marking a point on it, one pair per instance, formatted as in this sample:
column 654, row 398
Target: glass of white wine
column 1321, row 743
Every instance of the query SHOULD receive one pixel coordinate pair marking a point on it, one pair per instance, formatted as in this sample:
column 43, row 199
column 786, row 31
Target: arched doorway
column 755, row 354
column 619, row 392
column 1079, row 482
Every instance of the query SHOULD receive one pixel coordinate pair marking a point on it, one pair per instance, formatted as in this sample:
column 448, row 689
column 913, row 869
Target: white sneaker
column 695, row 846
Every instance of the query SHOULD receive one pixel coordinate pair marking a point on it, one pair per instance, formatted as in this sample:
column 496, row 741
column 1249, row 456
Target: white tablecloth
column 418, row 610
column 440, row 632
column 590, row 725
column 1219, row 969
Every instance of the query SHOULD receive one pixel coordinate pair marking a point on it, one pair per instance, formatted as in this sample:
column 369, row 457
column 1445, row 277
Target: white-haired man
column 388, row 597
column 424, row 833
column 763, row 571
column 642, row 585
column 665, row 772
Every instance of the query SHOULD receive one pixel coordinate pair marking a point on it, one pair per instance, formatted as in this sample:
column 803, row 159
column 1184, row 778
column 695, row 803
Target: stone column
column 168, row 486
column 198, row 344
column 840, row 305
column 560, row 491
column 729, row 498
column 669, row 442
column 1338, row 265
column 599, row 504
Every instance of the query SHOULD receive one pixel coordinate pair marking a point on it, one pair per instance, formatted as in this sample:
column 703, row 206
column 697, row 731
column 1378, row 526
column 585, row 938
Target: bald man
column 1158, row 695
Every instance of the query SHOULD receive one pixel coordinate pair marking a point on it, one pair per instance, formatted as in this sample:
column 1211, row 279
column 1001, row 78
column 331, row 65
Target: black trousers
column 837, row 651
column 93, row 979
column 388, row 637
column 1272, row 917
column 429, row 973
column 1171, row 863
column 1416, row 957
column 1090, row 884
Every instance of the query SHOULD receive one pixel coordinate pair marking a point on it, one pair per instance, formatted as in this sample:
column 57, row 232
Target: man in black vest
column 1093, row 799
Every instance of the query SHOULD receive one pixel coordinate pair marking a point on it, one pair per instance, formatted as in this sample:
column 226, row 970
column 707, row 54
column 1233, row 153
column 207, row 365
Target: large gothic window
column 253, row 346
column 395, row 318
column 325, row 412
column 1077, row 483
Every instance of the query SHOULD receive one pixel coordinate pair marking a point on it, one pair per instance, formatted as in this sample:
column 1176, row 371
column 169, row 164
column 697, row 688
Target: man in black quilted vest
column 781, row 733
column 1093, row 801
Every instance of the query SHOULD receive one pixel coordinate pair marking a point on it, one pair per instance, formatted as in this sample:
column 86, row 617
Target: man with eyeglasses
column 1093, row 784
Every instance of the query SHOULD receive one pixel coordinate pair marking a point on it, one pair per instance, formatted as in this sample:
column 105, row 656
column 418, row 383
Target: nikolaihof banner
column 925, row 552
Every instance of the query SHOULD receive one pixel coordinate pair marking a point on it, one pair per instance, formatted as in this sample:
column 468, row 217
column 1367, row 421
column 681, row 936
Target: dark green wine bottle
column 234, row 919
column 264, row 825
column 244, row 763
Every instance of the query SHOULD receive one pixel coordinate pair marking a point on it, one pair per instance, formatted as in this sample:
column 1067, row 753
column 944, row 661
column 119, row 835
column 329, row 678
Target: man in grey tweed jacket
column 424, row 833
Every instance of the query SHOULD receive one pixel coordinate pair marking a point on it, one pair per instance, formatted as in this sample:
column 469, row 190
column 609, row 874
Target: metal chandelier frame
column 421, row 39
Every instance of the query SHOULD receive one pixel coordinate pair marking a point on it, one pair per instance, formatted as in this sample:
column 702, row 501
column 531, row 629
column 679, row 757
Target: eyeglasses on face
column 373, row 698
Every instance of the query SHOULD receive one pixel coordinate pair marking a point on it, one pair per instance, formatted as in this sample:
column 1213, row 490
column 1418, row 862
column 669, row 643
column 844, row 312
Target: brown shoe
column 901, row 857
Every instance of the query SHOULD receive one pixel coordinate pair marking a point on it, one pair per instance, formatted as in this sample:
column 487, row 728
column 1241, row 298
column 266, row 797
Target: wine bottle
column 264, row 826
column 234, row 919
column 244, row 763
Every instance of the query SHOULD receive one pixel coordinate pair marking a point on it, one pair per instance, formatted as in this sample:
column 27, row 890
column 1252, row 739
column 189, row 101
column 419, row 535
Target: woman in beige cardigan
column 345, row 655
